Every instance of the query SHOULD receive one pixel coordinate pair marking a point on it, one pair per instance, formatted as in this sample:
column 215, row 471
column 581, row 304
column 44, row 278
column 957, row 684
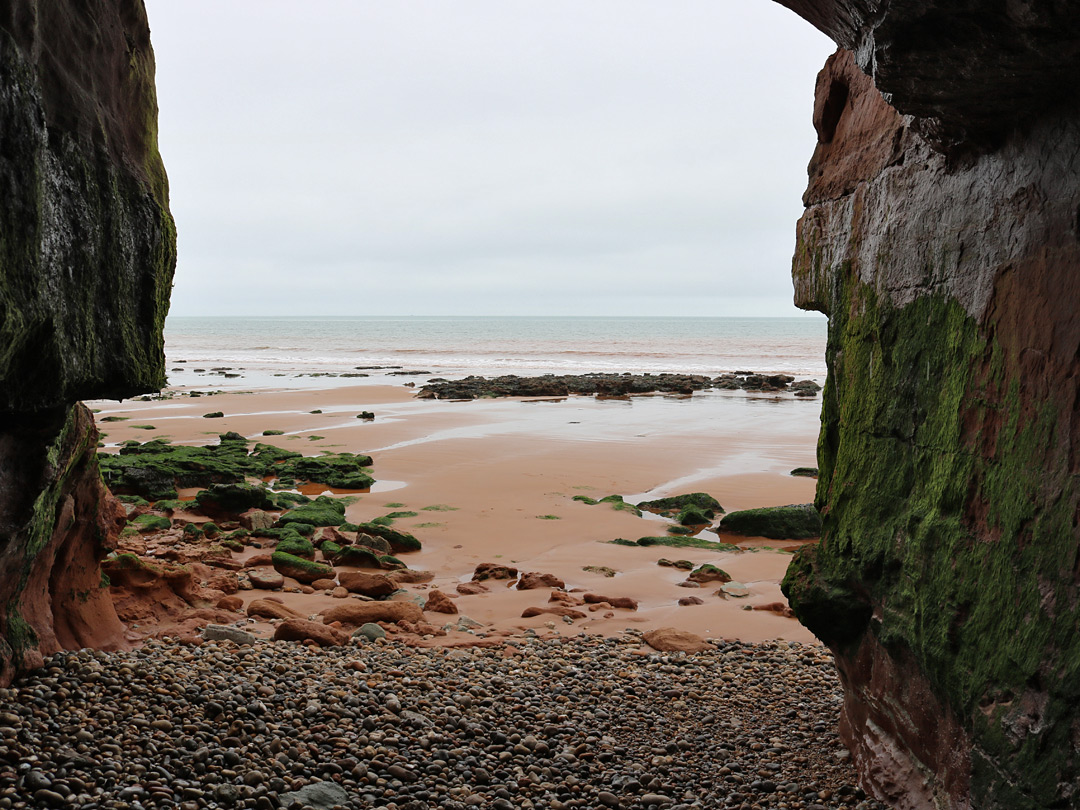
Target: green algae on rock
column 156, row 468
column 793, row 522
column 673, row 505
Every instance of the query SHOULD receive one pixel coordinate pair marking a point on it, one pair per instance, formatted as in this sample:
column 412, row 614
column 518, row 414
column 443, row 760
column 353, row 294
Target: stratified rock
column 306, row 630
column 795, row 522
column 439, row 602
column 358, row 613
column 669, row 639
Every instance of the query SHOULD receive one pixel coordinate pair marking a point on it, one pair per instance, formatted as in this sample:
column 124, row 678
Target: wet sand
column 501, row 476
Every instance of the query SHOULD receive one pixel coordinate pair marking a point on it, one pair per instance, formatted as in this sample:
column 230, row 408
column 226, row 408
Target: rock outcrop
column 87, row 250
column 942, row 239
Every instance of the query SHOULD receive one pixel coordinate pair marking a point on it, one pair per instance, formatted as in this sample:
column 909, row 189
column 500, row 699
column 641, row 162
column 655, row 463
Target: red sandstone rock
column 624, row 602
column 534, row 579
column 373, row 585
column 407, row 576
column 563, row 598
column 266, row 579
column 227, row 583
column 439, row 602
column 471, row 588
column 357, row 613
column 558, row 610
column 669, row 639
column 777, row 607
column 233, row 603
column 340, row 593
column 259, row 560
column 268, row 609
column 324, row 584
column 306, row 630
column 691, row 600
column 596, row 606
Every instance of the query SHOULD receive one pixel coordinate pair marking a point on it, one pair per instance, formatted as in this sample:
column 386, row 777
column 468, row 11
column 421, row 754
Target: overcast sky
column 479, row 157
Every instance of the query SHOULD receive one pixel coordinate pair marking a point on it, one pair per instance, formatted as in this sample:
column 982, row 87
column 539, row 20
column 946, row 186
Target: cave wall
column 87, row 252
column 942, row 238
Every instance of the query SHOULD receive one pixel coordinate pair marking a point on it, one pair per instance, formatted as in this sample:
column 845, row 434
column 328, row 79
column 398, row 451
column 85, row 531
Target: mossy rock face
column 678, row 503
column 400, row 542
column 300, row 569
column 329, row 549
column 151, row 523
column 172, row 505
column 134, row 500
column 391, row 563
column 302, row 529
column 794, row 522
column 297, row 546
column 232, row 499
column 709, row 573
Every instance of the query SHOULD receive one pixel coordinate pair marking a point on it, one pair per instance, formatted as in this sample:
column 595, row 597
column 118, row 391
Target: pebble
column 577, row 723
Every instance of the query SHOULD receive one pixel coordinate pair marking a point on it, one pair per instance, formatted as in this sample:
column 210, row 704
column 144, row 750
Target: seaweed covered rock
column 300, row 569
column 323, row 511
column 155, row 469
column 358, row 556
column 709, row 573
column 400, row 542
column 232, row 499
column 616, row 501
column 794, row 522
column 673, row 505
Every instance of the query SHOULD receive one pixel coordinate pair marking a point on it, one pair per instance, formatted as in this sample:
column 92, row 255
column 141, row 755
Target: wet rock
column 376, row 586
column 670, row 639
column 535, row 579
column 493, row 571
column 439, row 602
column 306, row 630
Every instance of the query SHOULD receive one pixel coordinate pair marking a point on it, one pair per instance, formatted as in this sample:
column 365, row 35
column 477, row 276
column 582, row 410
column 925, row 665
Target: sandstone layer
column 946, row 254
column 87, row 251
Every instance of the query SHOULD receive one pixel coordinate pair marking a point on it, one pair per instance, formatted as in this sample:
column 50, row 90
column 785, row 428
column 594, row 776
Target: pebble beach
column 582, row 722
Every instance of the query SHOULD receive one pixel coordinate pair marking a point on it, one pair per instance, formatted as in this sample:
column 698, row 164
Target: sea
column 257, row 352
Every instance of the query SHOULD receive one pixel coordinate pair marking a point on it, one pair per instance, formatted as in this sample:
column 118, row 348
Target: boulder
column 471, row 588
column 534, row 579
column 301, row 570
column 257, row 519
column 307, row 630
column 266, row 579
column 439, row 602
column 223, row 632
column 669, row 639
column 233, row 603
column 232, row 499
column 373, row 585
column 324, row 584
column 793, row 522
column 691, row 600
column 709, row 573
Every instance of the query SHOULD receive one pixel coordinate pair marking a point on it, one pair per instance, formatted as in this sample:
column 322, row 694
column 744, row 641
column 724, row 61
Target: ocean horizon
column 279, row 350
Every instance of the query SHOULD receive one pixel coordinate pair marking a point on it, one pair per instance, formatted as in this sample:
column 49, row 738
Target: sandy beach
column 493, row 481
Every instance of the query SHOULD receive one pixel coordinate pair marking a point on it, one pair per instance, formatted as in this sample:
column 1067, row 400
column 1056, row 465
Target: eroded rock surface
column 941, row 239
column 87, row 250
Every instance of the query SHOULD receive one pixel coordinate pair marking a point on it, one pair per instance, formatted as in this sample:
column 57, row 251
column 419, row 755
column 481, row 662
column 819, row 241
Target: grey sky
column 566, row 157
